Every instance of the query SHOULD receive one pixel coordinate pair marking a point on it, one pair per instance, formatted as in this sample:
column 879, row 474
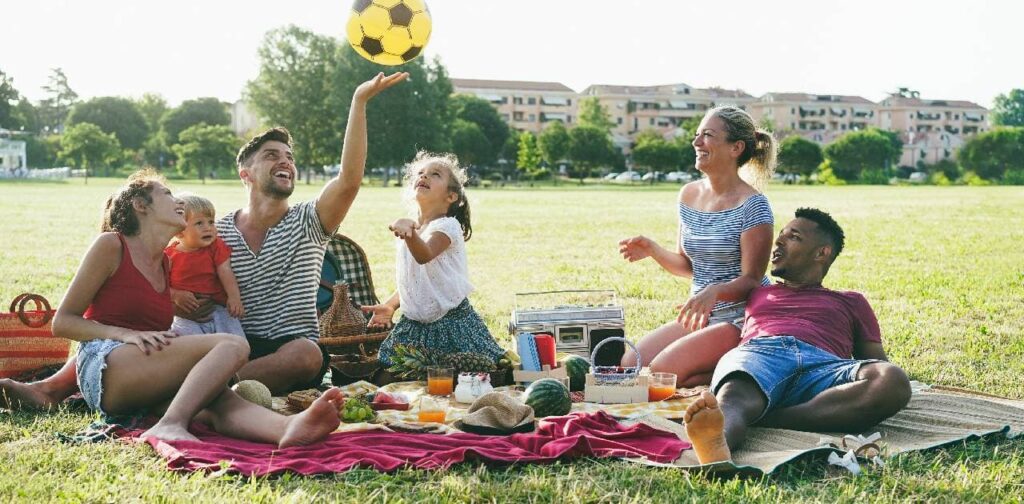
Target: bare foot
column 17, row 395
column 168, row 433
column 704, row 426
column 316, row 422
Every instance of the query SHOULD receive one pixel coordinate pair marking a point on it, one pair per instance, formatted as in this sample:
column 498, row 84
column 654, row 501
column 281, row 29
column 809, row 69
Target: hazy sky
column 191, row 48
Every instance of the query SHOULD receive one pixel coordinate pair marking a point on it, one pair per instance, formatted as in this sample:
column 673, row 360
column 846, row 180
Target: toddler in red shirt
column 201, row 265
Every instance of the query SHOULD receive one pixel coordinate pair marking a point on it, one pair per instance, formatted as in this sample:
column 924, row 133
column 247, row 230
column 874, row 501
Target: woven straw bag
column 343, row 327
column 27, row 342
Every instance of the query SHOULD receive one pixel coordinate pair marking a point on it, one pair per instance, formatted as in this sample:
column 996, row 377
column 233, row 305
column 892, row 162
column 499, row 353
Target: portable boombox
column 578, row 320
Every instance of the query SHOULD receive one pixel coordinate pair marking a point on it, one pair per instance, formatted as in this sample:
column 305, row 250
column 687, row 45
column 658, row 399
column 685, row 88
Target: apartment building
column 806, row 112
column 524, row 105
column 12, row 152
column 663, row 108
column 908, row 113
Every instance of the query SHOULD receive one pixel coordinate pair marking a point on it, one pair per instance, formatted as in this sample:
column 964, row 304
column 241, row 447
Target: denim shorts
column 220, row 322
column 732, row 314
column 91, row 361
column 788, row 371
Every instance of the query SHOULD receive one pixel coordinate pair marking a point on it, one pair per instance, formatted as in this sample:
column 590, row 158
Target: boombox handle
column 611, row 292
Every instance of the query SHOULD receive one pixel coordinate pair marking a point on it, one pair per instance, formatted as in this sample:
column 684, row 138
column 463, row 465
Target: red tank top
column 128, row 300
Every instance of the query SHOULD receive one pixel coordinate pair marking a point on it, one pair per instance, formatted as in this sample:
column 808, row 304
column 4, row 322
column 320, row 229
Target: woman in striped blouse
column 724, row 242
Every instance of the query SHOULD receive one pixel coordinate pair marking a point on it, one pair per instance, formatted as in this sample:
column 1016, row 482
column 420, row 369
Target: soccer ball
column 389, row 32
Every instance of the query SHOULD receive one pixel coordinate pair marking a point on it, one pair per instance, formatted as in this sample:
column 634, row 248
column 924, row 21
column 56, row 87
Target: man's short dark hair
column 277, row 134
column 827, row 226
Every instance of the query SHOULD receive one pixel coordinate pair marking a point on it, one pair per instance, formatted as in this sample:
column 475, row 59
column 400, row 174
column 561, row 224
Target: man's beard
column 779, row 272
column 270, row 188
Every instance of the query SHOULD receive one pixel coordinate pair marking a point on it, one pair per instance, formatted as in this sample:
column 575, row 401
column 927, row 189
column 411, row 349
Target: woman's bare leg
column 193, row 370
column 43, row 394
column 654, row 342
column 694, row 356
column 235, row 417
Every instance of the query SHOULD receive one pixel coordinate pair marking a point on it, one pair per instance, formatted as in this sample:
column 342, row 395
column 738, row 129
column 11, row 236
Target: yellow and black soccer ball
column 389, row 32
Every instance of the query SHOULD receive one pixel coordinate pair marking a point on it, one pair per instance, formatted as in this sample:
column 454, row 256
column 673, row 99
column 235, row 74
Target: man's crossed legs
column 784, row 383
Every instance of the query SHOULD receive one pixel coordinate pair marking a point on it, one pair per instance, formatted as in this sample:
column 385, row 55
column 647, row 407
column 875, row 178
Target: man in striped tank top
column 277, row 249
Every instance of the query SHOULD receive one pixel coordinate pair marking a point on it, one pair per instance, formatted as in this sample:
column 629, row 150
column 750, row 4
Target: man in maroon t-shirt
column 810, row 358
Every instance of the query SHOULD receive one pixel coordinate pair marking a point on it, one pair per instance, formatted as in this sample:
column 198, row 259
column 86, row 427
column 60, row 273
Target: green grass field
column 943, row 268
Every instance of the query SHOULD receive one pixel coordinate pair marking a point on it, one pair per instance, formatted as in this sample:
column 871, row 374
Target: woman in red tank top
column 119, row 307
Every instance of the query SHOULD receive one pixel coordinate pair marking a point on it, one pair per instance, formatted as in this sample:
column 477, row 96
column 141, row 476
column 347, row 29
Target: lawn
column 942, row 266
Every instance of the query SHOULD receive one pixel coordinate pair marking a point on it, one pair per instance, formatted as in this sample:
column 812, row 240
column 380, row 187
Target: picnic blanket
column 935, row 417
column 575, row 435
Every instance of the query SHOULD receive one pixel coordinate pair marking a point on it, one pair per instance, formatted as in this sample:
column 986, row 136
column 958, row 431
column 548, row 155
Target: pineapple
column 468, row 362
column 410, row 362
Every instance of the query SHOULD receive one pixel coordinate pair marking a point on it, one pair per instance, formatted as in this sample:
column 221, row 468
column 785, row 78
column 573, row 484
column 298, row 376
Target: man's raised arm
column 337, row 196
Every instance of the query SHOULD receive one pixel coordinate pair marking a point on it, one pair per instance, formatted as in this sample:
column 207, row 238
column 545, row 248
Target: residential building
column 12, row 152
column 662, row 108
column 243, row 120
column 802, row 112
column 524, row 105
column 908, row 113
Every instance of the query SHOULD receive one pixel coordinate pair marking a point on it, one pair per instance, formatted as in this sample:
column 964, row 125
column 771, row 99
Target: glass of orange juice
column 432, row 409
column 440, row 380
column 661, row 386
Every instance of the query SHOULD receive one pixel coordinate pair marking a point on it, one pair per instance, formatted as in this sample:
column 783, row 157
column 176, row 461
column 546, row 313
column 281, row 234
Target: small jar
column 471, row 386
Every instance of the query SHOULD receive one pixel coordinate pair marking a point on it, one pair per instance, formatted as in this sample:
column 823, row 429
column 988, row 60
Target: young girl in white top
column 432, row 270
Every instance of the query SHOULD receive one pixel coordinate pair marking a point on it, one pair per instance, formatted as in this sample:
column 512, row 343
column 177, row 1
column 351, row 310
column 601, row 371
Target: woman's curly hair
column 119, row 214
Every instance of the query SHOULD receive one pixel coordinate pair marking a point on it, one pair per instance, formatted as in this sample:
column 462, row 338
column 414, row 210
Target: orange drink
column 439, row 386
column 661, row 386
column 440, row 380
column 431, row 416
column 431, row 409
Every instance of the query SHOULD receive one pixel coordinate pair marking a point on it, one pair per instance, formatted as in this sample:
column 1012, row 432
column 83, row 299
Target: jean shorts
column 220, row 322
column 787, row 370
column 733, row 314
column 91, row 361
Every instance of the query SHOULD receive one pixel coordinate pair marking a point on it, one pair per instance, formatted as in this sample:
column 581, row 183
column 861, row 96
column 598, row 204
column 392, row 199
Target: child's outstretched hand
column 404, row 228
column 382, row 315
column 184, row 300
column 235, row 307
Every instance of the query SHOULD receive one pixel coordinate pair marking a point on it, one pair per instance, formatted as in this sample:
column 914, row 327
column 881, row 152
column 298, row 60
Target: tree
column 858, row 152
column 799, row 156
column 8, row 97
column 529, row 157
column 152, row 107
column 469, row 143
column 1009, row 109
column 294, row 89
column 687, row 156
column 53, row 110
column 991, row 154
column 203, row 149
column 480, row 112
column 113, row 115
column 592, row 113
column 589, row 147
column 554, row 143
column 209, row 111
column 86, row 146
column 653, row 152
column 43, row 152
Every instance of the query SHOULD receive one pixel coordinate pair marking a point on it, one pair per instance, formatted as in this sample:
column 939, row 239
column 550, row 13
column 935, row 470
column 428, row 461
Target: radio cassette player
column 578, row 320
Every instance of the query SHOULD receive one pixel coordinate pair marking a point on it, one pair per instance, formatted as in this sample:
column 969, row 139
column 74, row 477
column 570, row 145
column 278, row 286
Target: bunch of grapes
column 357, row 410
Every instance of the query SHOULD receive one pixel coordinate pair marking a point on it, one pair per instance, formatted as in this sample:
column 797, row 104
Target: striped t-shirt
column 279, row 284
column 712, row 242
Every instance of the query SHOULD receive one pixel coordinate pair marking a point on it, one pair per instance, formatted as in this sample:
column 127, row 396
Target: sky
column 195, row 48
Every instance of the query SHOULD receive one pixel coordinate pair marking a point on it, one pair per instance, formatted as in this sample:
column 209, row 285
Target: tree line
column 305, row 83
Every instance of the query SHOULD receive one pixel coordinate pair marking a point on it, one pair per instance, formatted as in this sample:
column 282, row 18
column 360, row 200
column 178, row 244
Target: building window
column 531, row 101
column 652, row 121
column 568, row 118
column 792, row 110
column 518, row 116
column 532, row 118
column 517, row 100
column 568, row 102
column 619, row 120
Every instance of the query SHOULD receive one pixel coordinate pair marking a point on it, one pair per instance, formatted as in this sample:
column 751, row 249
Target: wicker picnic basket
column 343, row 327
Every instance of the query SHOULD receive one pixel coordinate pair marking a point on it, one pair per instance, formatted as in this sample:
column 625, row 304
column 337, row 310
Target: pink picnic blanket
column 576, row 435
